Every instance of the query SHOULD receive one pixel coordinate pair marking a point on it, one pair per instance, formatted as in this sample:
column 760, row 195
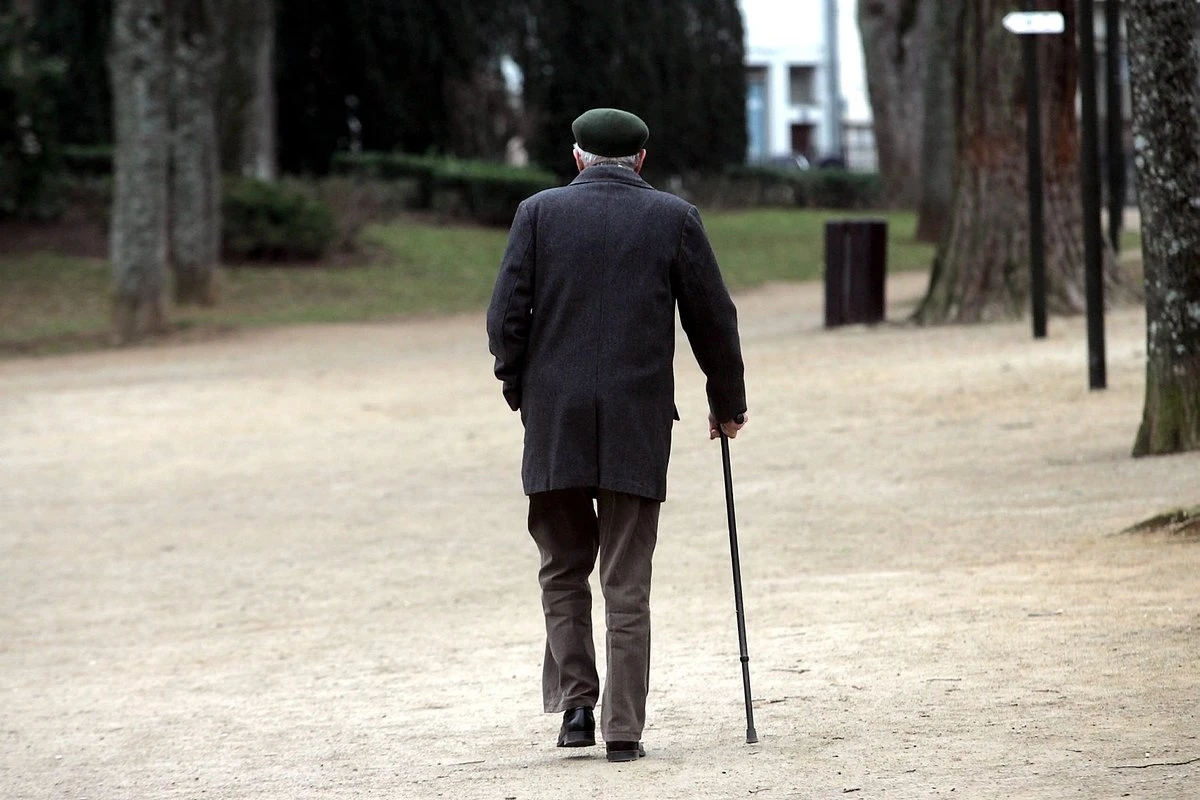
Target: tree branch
column 1159, row 764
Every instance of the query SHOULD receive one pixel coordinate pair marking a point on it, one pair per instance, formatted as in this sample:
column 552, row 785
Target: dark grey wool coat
column 582, row 325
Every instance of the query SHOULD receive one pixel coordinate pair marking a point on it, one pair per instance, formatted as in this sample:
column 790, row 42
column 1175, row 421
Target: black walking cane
column 751, row 734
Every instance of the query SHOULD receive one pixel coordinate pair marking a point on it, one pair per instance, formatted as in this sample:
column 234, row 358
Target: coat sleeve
column 709, row 318
column 508, row 317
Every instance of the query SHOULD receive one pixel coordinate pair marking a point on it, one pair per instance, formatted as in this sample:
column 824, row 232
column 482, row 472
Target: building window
column 803, row 83
column 859, row 150
column 756, row 113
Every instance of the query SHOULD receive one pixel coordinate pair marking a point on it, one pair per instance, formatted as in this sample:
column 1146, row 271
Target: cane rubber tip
column 751, row 737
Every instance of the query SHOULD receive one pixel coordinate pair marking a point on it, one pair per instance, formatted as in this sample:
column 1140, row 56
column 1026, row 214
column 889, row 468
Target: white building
column 787, row 92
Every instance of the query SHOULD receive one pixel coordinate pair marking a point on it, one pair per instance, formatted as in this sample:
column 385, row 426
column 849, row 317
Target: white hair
column 591, row 159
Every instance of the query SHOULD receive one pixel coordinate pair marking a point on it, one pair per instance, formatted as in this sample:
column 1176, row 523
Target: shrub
column 268, row 221
column 385, row 165
column 838, row 188
column 390, row 167
column 490, row 193
column 357, row 202
column 486, row 192
column 817, row 188
column 764, row 174
column 765, row 185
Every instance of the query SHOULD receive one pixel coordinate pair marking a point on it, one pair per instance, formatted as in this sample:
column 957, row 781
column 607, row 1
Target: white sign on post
column 1034, row 22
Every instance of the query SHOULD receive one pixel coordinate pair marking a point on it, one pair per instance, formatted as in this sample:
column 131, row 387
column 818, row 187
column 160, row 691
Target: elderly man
column 582, row 325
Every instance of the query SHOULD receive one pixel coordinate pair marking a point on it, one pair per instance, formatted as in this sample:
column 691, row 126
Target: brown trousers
column 571, row 532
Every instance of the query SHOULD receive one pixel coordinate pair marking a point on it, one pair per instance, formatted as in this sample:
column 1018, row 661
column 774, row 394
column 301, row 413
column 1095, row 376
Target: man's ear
column 578, row 159
column 640, row 162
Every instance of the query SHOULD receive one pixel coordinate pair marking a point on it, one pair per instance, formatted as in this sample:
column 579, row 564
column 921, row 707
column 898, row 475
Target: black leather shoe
column 625, row 751
column 578, row 728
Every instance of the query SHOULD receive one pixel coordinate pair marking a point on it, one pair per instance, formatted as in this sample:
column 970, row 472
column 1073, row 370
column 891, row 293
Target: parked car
column 793, row 161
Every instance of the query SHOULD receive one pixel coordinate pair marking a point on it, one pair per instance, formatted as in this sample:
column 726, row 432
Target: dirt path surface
column 293, row 564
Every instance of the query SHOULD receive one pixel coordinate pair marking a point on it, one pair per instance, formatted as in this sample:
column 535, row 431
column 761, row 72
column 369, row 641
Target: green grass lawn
column 51, row 303
column 757, row 247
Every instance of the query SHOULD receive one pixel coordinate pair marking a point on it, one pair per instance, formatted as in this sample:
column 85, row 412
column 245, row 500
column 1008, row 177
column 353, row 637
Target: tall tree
column 195, row 188
column 138, row 66
column 30, row 155
column 895, row 38
column 981, row 271
column 79, row 34
column 676, row 63
column 938, row 144
column 568, row 53
column 247, row 97
column 1164, row 71
column 387, row 65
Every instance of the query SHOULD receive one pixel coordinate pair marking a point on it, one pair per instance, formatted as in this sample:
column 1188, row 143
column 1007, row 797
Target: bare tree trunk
column 1164, row 71
column 138, row 70
column 195, row 159
column 982, row 267
column 938, row 145
column 258, row 152
column 893, row 37
column 247, row 107
column 481, row 120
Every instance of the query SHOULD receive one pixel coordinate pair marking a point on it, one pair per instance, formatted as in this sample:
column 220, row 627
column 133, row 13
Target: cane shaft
column 743, row 650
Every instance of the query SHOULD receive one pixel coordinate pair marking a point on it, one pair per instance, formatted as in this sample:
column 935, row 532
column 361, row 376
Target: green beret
column 610, row 132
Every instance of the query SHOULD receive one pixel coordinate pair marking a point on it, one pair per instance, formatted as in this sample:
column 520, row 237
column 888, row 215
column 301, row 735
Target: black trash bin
column 855, row 268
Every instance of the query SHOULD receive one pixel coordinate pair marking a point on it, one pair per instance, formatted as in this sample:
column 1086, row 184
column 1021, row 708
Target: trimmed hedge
column 388, row 166
column 268, row 221
column 816, row 188
column 491, row 192
column 391, row 167
column 486, row 192
column 273, row 222
column 839, row 188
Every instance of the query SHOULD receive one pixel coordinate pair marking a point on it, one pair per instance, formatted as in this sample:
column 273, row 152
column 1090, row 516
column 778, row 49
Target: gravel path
column 292, row 563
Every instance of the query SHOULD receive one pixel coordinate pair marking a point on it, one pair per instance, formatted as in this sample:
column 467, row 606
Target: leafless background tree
column 895, row 39
column 246, row 107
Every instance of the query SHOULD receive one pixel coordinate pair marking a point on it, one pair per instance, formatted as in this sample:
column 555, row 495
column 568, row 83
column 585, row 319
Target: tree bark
column 196, row 169
column 247, row 106
column 894, row 36
column 981, row 271
column 1164, row 71
column 480, row 118
column 938, row 145
column 138, row 242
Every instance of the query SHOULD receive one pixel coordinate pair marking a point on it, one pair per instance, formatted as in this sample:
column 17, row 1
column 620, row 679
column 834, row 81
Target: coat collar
column 611, row 173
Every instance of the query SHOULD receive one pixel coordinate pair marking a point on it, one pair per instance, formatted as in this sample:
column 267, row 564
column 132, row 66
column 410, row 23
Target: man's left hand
column 730, row 428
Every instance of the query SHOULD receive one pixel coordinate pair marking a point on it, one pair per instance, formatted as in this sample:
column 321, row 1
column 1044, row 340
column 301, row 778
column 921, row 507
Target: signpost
column 1022, row 22
column 1089, row 168
column 1027, row 25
